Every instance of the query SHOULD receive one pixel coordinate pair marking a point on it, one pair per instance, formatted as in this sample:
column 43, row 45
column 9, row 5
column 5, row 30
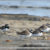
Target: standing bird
column 5, row 28
column 44, row 28
column 24, row 34
column 37, row 33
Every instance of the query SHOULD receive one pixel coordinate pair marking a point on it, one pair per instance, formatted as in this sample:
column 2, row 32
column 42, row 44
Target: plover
column 5, row 28
column 44, row 28
column 37, row 33
column 24, row 34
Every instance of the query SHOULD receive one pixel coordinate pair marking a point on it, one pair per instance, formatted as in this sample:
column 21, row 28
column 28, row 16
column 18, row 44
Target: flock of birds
column 28, row 33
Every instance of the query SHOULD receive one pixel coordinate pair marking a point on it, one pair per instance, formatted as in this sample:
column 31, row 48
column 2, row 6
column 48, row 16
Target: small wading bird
column 37, row 33
column 25, row 34
column 5, row 28
column 44, row 28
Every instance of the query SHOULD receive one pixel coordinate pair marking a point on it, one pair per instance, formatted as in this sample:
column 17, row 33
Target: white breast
column 25, row 36
column 5, row 29
column 38, row 34
column 29, row 35
column 46, row 30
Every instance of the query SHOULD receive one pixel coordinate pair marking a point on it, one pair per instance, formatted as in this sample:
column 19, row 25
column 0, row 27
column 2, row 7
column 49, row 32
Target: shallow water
column 5, row 7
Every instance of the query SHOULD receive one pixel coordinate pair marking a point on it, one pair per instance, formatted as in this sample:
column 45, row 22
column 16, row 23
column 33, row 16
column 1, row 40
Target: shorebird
column 44, row 28
column 24, row 34
column 37, row 33
column 5, row 28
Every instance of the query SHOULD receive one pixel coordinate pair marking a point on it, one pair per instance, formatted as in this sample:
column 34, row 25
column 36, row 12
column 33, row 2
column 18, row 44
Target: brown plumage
column 25, row 32
column 42, row 27
column 36, row 31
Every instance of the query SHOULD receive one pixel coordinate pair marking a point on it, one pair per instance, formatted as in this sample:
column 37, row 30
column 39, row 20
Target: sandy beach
column 20, row 25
